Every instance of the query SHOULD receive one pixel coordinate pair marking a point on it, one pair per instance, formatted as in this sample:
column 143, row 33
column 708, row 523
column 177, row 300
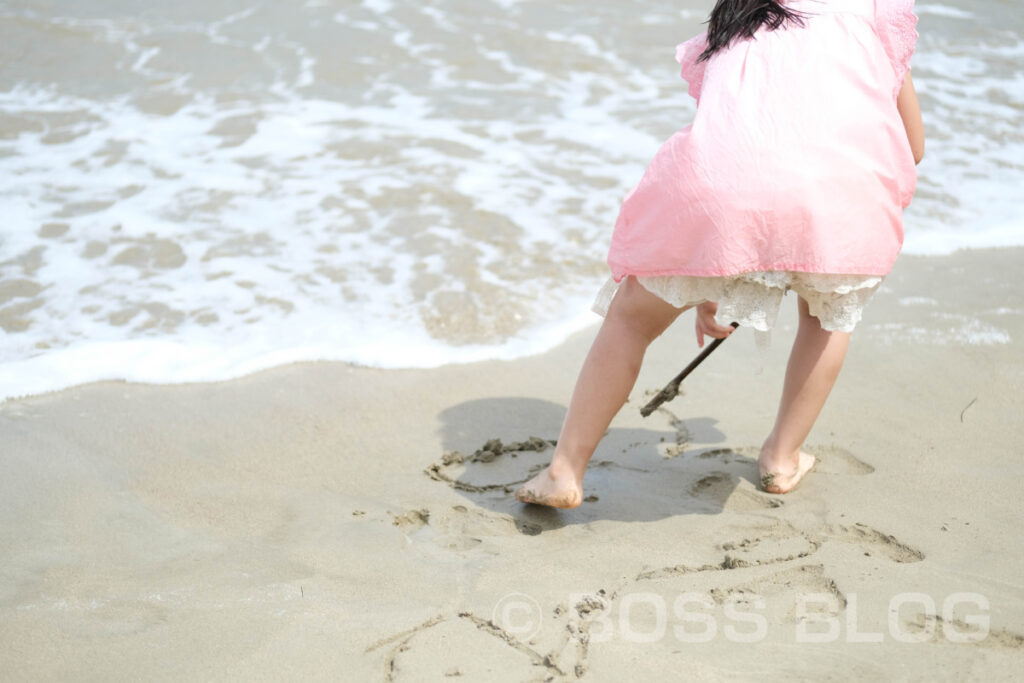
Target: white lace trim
column 753, row 299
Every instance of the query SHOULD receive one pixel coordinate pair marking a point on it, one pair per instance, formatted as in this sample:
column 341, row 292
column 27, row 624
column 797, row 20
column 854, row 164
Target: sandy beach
column 321, row 521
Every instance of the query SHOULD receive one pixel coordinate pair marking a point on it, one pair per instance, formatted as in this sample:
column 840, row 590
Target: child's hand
column 706, row 323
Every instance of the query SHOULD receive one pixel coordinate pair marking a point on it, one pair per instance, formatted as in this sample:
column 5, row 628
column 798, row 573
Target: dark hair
column 732, row 19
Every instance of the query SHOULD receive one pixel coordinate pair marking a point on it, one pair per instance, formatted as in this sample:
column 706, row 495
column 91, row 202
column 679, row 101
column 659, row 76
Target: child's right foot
column 775, row 479
column 557, row 491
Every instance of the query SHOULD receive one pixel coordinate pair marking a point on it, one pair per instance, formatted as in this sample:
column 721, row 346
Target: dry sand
column 303, row 522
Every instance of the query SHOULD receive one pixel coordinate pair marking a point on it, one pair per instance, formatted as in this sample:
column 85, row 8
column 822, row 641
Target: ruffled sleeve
column 896, row 25
column 693, row 71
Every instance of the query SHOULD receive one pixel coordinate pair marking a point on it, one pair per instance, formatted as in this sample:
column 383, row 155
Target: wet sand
column 323, row 521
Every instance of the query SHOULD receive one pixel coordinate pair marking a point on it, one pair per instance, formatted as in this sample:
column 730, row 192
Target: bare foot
column 776, row 480
column 557, row 491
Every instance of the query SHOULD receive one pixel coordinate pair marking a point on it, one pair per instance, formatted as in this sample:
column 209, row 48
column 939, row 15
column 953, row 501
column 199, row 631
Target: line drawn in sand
column 492, row 649
column 488, row 453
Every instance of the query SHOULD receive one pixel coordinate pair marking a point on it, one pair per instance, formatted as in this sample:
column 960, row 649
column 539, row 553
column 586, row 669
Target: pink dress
column 793, row 175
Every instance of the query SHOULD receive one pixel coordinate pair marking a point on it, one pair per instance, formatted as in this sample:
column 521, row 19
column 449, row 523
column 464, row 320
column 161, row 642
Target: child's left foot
column 777, row 480
column 558, row 489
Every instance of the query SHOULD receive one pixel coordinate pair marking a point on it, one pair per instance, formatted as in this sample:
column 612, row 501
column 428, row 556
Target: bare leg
column 814, row 364
column 635, row 318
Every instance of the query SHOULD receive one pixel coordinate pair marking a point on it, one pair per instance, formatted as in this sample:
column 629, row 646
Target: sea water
column 191, row 191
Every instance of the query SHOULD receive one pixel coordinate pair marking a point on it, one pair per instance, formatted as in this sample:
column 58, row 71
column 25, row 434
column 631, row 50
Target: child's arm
column 910, row 112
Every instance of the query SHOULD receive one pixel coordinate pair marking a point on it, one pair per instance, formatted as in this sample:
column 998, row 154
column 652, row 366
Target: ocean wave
column 385, row 184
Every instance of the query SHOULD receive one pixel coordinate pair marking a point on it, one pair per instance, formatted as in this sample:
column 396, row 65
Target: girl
column 793, row 175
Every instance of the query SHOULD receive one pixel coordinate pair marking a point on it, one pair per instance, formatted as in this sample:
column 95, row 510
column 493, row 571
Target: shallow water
column 197, row 190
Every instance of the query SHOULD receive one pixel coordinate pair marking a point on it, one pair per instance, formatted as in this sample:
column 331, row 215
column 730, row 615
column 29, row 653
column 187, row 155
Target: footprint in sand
column 462, row 528
column 831, row 460
column 726, row 491
column 464, row 521
column 412, row 518
column 727, row 455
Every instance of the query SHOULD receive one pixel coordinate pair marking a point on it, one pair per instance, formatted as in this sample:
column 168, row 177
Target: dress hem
column 752, row 299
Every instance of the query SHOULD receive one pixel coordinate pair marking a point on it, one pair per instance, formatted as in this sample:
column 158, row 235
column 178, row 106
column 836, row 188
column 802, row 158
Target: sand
column 328, row 522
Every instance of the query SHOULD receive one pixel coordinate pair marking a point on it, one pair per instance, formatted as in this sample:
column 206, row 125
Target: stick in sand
column 671, row 389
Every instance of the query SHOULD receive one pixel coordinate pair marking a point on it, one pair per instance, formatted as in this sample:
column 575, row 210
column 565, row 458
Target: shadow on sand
column 493, row 445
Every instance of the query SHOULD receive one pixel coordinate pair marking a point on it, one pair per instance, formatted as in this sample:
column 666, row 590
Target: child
column 793, row 175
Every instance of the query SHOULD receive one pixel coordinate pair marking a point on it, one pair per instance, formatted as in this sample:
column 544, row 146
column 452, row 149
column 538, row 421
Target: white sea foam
column 942, row 11
column 918, row 301
column 196, row 355
column 958, row 330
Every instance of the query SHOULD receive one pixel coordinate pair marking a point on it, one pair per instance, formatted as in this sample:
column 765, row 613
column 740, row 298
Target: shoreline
column 304, row 356
column 286, row 523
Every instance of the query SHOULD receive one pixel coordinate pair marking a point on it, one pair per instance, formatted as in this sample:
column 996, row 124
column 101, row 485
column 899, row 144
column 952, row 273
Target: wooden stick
column 671, row 389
